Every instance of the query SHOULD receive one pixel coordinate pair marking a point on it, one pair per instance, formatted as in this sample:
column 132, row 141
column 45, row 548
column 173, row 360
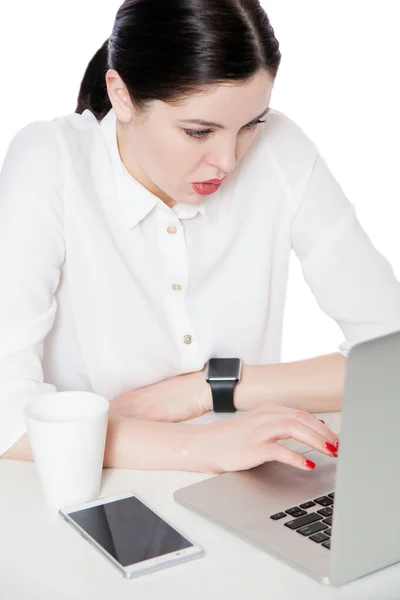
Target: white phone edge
column 143, row 567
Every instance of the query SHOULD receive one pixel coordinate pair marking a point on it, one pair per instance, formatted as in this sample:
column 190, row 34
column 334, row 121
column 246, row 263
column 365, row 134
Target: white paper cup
column 67, row 433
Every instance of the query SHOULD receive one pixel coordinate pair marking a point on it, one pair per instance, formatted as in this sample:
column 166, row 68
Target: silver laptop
column 340, row 521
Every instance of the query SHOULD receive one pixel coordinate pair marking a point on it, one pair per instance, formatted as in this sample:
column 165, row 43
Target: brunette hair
column 170, row 49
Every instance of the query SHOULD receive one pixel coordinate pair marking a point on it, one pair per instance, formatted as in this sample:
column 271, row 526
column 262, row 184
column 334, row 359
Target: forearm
column 313, row 384
column 21, row 450
column 138, row 444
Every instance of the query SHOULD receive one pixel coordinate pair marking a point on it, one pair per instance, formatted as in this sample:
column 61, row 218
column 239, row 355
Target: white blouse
column 105, row 288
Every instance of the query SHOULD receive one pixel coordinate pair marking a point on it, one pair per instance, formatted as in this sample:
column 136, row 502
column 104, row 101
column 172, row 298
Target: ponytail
column 93, row 91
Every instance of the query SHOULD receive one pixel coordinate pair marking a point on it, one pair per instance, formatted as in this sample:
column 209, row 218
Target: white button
column 188, row 339
column 172, row 229
column 177, row 287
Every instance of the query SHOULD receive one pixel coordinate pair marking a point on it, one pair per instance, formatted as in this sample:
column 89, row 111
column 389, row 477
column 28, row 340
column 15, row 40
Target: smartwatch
column 223, row 374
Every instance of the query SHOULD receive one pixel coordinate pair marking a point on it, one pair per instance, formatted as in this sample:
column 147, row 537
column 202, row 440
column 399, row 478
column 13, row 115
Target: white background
column 338, row 80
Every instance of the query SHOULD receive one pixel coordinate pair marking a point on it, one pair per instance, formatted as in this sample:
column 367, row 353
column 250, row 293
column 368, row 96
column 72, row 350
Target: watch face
column 223, row 368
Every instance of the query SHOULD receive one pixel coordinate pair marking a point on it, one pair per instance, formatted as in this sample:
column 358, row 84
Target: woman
column 124, row 274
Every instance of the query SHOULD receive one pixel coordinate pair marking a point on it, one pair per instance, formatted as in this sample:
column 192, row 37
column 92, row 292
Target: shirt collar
column 137, row 201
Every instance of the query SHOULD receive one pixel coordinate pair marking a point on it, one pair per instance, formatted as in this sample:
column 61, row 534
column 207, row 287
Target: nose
column 225, row 158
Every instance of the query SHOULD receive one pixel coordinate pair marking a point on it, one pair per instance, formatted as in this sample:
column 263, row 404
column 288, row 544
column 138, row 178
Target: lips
column 215, row 181
column 205, row 189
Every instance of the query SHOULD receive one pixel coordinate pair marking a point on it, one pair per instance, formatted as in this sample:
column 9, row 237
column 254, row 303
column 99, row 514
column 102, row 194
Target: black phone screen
column 129, row 531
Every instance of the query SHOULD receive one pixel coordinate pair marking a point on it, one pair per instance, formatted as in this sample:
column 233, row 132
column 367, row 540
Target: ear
column 119, row 96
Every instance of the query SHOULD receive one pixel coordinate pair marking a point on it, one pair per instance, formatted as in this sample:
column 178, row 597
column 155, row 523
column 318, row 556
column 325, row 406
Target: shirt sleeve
column 31, row 254
column 352, row 282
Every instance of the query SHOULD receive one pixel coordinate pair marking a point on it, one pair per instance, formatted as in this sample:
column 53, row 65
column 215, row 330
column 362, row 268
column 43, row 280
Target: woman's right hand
column 248, row 439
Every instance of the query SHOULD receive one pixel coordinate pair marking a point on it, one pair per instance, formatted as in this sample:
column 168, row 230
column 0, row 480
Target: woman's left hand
column 175, row 399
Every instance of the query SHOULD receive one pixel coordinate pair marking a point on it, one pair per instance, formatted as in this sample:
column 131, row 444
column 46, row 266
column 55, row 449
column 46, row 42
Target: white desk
column 42, row 558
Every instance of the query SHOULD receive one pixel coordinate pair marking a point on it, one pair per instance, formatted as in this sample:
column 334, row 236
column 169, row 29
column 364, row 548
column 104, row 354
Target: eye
column 202, row 134
column 253, row 125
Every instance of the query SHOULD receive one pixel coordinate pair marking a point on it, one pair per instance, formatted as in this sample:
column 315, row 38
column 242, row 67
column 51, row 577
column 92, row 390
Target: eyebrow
column 211, row 124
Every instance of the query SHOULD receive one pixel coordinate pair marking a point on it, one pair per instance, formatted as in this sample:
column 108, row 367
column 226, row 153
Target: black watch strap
column 222, row 393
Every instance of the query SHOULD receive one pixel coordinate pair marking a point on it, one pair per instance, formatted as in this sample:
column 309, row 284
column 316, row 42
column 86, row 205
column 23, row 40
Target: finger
column 289, row 457
column 303, row 417
column 277, row 408
column 309, row 420
column 290, row 427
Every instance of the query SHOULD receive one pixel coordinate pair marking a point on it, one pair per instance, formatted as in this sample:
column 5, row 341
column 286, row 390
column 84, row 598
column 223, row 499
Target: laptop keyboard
column 315, row 524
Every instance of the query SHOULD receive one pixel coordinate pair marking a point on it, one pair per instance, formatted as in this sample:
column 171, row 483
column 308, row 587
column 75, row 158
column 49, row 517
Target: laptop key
column 325, row 512
column 328, row 531
column 324, row 500
column 298, row 513
column 313, row 528
column 331, row 495
column 295, row 511
column 319, row 537
column 302, row 521
column 278, row 515
column 328, row 521
column 326, row 544
column 307, row 504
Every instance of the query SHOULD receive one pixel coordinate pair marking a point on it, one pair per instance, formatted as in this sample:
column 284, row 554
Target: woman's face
column 166, row 154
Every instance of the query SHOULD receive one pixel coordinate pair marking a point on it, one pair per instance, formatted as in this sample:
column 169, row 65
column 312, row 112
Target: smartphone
column 130, row 534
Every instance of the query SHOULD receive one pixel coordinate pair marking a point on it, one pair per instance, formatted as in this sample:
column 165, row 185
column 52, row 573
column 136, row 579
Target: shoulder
column 52, row 148
column 32, row 143
column 41, row 154
column 290, row 152
column 33, row 160
column 286, row 139
column 53, row 136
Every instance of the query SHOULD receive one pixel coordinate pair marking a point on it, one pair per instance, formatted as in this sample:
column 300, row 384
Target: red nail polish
column 330, row 447
column 323, row 422
column 310, row 464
